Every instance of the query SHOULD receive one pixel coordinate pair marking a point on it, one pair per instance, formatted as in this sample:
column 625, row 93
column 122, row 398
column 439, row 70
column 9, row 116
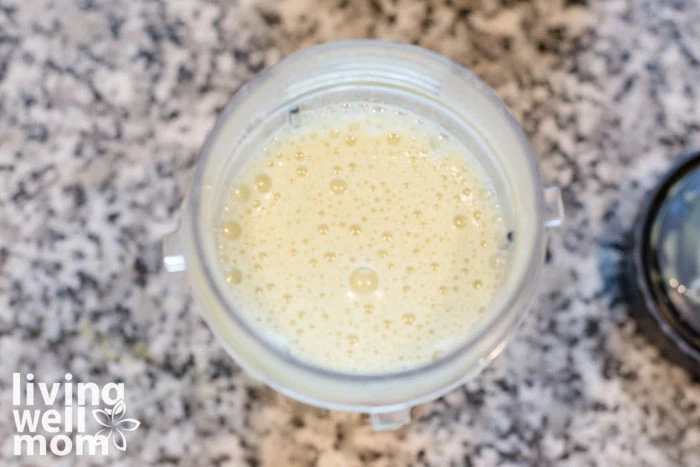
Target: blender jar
column 402, row 76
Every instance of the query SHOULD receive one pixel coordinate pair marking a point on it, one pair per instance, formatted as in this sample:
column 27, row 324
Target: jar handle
column 173, row 257
column 383, row 421
column 553, row 207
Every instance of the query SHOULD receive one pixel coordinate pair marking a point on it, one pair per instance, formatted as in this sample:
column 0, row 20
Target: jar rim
column 534, row 250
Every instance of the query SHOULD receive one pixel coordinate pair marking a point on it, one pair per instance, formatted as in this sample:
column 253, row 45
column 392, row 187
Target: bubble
column 323, row 229
column 287, row 298
column 393, row 138
column 477, row 215
column 434, row 266
column 258, row 291
column 302, row 171
column 410, row 269
column 383, row 254
column 350, row 140
column 277, row 196
column 477, row 284
column 330, row 257
column 338, row 186
column 369, row 309
column 363, row 280
column 299, row 156
column 406, row 288
column 459, row 221
column 230, row 230
column 234, row 276
column 337, row 169
column 386, row 236
column 408, row 318
column 443, row 290
column 352, row 166
column 242, row 193
column 355, row 229
column 334, row 133
column 263, row 183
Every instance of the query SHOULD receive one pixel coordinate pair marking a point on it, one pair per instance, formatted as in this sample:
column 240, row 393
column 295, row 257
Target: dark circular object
column 665, row 265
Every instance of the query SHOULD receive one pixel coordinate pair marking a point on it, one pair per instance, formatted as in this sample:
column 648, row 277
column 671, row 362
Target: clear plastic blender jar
column 402, row 76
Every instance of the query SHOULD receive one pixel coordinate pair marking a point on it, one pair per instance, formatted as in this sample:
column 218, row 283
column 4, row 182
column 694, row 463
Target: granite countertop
column 103, row 107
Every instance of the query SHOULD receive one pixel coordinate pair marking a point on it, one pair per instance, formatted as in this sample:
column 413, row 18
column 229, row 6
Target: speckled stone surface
column 103, row 106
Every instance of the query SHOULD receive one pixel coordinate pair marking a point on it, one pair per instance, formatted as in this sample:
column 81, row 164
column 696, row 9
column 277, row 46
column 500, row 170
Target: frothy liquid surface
column 362, row 240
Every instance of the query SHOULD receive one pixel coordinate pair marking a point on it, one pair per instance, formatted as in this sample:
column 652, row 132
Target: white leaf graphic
column 114, row 421
column 128, row 424
column 102, row 418
column 118, row 411
column 119, row 440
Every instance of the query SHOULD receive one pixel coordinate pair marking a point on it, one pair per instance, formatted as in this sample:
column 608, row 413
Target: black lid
column 666, row 262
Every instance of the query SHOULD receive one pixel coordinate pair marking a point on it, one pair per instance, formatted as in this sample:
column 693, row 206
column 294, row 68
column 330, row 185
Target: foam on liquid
column 362, row 239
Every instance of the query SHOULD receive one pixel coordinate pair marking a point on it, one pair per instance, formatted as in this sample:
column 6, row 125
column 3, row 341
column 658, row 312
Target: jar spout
column 553, row 207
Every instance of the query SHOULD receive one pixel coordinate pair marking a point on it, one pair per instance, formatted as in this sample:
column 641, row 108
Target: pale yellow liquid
column 364, row 240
